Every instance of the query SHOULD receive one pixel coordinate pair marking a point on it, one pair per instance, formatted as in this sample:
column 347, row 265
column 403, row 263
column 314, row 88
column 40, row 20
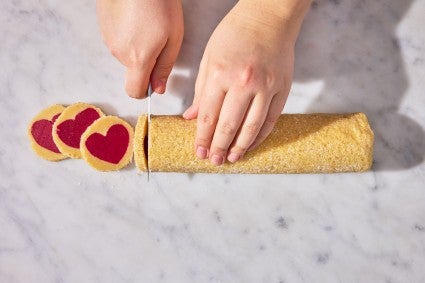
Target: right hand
column 145, row 36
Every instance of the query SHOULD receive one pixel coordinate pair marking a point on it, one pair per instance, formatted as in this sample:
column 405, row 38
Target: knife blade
column 149, row 121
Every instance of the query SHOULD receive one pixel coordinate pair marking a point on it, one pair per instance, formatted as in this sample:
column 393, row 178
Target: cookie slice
column 107, row 144
column 40, row 133
column 71, row 124
column 140, row 145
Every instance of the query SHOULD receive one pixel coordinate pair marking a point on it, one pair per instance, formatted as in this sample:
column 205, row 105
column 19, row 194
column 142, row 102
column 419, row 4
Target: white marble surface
column 64, row 222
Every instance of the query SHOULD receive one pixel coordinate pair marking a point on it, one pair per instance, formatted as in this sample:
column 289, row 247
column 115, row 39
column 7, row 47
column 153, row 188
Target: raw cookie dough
column 140, row 141
column 107, row 144
column 71, row 124
column 40, row 133
column 299, row 143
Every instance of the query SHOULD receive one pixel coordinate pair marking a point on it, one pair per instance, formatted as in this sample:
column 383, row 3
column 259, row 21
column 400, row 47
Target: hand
column 145, row 36
column 243, row 82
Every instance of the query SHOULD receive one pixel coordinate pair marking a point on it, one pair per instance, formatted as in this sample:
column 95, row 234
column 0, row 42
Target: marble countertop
column 64, row 222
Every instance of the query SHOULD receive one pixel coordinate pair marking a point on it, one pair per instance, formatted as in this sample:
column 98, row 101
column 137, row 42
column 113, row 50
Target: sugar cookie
column 107, row 144
column 40, row 133
column 71, row 124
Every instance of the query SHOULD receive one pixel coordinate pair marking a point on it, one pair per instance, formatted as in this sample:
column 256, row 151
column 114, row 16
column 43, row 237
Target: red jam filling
column 112, row 147
column 41, row 131
column 70, row 131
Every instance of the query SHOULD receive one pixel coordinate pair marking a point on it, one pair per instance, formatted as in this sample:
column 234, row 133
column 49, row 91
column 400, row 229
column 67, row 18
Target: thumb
column 163, row 66
column 137, row 80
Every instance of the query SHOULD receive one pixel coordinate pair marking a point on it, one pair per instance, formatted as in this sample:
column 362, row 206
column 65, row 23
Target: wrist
column 285, row 15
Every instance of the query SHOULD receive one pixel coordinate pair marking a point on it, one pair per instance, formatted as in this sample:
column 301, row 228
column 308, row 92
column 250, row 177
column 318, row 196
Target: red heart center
column 70, row 131
column 110, row 148
column 41, row 131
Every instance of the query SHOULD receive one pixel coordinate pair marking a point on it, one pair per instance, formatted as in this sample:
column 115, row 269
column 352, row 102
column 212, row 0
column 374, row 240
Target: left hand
column 243, row 82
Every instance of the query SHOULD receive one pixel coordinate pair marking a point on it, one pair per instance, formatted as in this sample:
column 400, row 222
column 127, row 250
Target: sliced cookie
column 140, row 149
column 71, row 124
column 107, row 144
column 40, row 133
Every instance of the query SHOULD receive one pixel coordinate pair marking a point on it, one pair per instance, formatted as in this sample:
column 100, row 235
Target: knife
column 149, row 122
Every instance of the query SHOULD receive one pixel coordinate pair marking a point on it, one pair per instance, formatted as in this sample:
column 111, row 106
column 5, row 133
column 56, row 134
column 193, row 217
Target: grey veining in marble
column 64, row 222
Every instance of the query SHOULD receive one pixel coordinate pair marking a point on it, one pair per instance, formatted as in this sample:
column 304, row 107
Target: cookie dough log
column 299, row 143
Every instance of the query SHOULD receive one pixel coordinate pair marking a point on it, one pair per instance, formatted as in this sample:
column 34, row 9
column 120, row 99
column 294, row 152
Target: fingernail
column 233, row 157
column 217, row 159
column 160, row 86
column 201, row 152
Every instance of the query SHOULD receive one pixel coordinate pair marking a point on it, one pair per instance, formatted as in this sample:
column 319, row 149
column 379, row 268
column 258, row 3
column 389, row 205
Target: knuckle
column 128, row 56
column 164, row 66
column 247, row 76
column 217, row 72
column 139, row 58
column 207, row 119
column 227, row 128
column 271, row 120
column 218, row 150
column 270, row 79
column 202, row 141
column 239, row 149
column 252, row 128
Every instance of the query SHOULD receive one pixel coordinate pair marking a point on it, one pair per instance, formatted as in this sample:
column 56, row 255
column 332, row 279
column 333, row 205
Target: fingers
column 276, row 105
column 242, row 124
column 137, row 81
column 231, row 116
column 250, row 127
column 156, row 72
column 164, row 64
column 212, row 99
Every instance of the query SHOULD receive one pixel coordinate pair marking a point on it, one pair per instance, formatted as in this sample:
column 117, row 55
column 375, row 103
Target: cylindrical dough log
column 299, row 143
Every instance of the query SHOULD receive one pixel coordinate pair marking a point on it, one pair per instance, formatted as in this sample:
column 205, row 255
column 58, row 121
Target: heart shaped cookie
column 71, row 124
column 107, row 144
column 40, row 133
